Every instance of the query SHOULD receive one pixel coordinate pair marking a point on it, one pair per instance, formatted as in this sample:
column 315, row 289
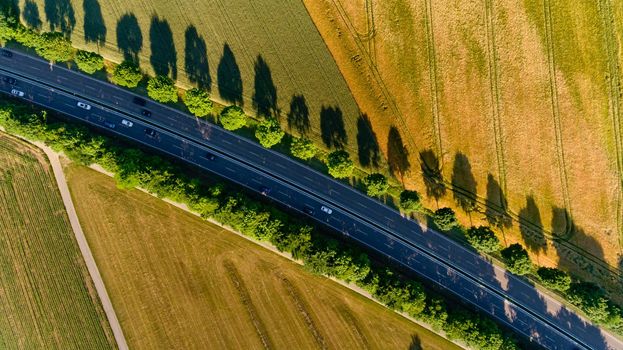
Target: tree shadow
column 332, row 127
column 163, row 54
column 431, row 174
column 94, row 27
column 129, row 37
column 265, row 95
column 298, row 117
column 531, row 226
column 60, row 15
column 10, row 8
column 367, row 143
column 229, row 78
column 464, row 183
column 196, row 59
column 31, row 15
column 495, row 212
column 397, row 153
column 416, row 343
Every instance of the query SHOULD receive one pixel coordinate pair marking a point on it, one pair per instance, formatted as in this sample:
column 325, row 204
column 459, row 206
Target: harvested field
column 47, row 299
column 178, row 282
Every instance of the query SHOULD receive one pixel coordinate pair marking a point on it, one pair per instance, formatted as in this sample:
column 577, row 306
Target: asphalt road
column 429, row 254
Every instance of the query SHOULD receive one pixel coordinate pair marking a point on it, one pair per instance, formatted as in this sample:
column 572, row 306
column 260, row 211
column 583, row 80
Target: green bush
column 340, row 165
column 198, row 102
column 233, row 118
column 269, row 132
column 376, row 184
column 162, row 89
column 410, row 201
column 127, row 74
column 554, row 278
column 445, row 219
column 55, row 47
column 483, row 239
column 8, row 27
column 89, row 62
column 517, row 259
column 303, row 148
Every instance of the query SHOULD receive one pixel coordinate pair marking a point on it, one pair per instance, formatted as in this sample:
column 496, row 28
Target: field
column 178, row 282
column 515, row 105
column 47, row 299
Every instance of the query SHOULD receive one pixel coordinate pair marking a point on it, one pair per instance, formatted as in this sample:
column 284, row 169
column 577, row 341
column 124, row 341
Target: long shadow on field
column 332, row 128
column 10, row 8
column 228, row 77
column 464, row 183
column 497, row 205
column 431, row 174
column 265, row 94
column 416, row 343
column 163, row 54
column 531, row 226
column 31, row 15
column 60, row 15
column 94, row 27
column 196, row 59
column 368, row 146
column 298, row 117
column 397, row 153
column 129, row 37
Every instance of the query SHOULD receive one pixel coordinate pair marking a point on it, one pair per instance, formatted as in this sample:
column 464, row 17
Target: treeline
column 319, row 253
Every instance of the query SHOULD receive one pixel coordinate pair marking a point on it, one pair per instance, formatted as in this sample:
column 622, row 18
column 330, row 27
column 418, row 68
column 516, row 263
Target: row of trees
column 212, row 199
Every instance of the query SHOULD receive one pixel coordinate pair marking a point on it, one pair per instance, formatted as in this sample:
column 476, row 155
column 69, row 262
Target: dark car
column 151, row 133
column 110, row 125
column 146, row 113
column 210, row 156
column 308, row 210
column 9, row 80
column 6, row 53
column 139, row 101
column 264, row 190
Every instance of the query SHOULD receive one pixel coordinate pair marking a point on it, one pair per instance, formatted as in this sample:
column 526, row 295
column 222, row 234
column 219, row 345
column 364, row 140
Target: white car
column 84, row 105
column 127, row 123
column 18, row 93
column 326, row 209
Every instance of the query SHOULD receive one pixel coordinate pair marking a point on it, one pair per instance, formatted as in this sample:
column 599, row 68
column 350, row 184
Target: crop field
column 178, row 282
column 515, row 105
column 47, row 299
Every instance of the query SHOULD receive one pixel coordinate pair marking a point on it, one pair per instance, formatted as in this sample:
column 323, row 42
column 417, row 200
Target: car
column 7, row 54
column 139, row 101
column 146, row 113
column 326, row 210
column 127, row 123
column 110, row 125
column 151, row 133
column 210, row 156
column 264, row 190
column 84, row 105
column 18, row 93
column 308, row 210
column 9, row 80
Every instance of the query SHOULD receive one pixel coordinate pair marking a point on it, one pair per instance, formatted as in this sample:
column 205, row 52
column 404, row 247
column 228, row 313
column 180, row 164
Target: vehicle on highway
column 18, row 93
column 110, row 125
column 308, row 210
column 7, row 54
column 127, row 123
column 146, row 113
column 264, row 190
column 151, row 133
column 84, row 105
column 9, row 80
column 326, row 210
column 210, row 156
column 139, row 101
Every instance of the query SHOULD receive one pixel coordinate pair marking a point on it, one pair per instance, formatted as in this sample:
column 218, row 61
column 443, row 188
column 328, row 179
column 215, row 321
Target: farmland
column 47, row 299
column 204, row 285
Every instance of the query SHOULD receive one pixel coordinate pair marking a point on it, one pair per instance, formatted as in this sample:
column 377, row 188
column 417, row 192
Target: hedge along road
column 427, row 253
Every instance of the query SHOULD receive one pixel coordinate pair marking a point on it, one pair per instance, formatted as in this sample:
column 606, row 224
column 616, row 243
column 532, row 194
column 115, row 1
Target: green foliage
column 376, row 184
column 340, row 165
column 410, row 201
column 8, row 26
column 55, row 47
column 593, row 301
column 89, row 62
column 269, row 133
column 445, row 219
column 198, row 102
column 303, row 148
column 127, row 74
column 517, row 259
column 233, row 118
column 162, row 89
column 554, row 278
column 483, row 239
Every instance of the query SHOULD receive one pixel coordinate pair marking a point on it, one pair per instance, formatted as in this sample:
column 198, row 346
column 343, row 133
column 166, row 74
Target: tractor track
column 432, row 68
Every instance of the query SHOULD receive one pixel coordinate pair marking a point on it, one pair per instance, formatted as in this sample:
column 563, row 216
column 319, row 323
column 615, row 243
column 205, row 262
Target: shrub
column 162, row 89
column 89, row 62
column 303, row 148
column 517, row 259
column 8, row 27
column 376, row 184
column 554, row 278
column 198, row 102
column 127, row 74
column 445, row 219
column 340, row 165
column 233, row 118
column 410, row 201
column 54, row 47
column 483, row 239
column 269, row 133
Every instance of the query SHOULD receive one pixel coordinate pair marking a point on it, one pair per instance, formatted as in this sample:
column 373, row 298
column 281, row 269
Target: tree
column 89, row 62
column 483, row 239
column 269, row 132
column 54, row 47
column 7, row 27
column 198, row 102
column 517, row 259
column 303, row 148
column 127, row 74
column 554, row 278
column 445, row 219
column 233, row 118
column 340, row 165
column 376, row 184
column 410, row 201
column 162, row 89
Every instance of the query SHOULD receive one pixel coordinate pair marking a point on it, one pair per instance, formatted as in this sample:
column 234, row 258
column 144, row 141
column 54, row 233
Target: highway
column 429, row 254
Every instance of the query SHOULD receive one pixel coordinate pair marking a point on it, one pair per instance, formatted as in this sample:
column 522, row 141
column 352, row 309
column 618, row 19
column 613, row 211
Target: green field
column 47, row 299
